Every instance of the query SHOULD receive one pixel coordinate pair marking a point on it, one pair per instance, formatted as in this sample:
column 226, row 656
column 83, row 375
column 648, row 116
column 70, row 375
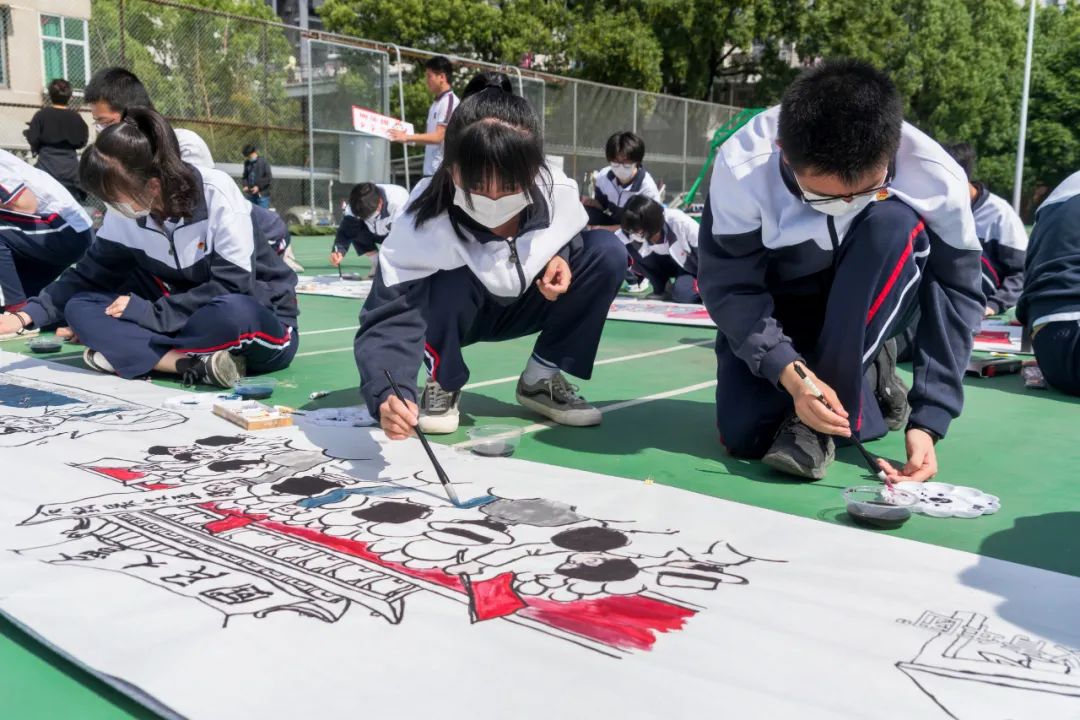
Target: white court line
column 603, row 410
column 608, row 361
column 304, row 334
column 499, row 381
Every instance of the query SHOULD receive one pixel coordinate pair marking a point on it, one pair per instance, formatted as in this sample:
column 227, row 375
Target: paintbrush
column 427, row 447
column 871, row 461
column 339, row 274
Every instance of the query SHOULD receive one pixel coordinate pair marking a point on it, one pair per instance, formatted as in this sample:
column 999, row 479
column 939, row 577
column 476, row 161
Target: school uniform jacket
column 758, row 238
column 16, row 177
column 613, row 197
column 679, row 239
column 1052, row 269
column 1004, row 241
column 366, row 235
column 392, row 325
column 218, row 251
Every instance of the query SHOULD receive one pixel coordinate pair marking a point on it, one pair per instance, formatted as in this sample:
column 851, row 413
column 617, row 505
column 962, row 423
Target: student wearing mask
column 830, row 224
column 257, row 177
column 438, row 72
column 369, row 217
column 623, row 178
column 43, row 230
column 491, row 248
column 55, row 134
column 226, row 301
column 1050, row 303
column 1001, row 233
column 663, row 246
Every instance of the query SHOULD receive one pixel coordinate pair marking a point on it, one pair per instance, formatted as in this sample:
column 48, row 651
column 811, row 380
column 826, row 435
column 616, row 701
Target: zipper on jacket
column 835, row 239
column 516, row 262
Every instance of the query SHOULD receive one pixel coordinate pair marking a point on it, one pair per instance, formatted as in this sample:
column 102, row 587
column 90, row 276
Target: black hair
column 494, row 135
column 128, row 154
column 842, row 117
column 249, row 148
column 642, row 215
column 219, row 440
column 627, row 145
column 309, row 485
column 485, row 79
column 59, row 91
column 440, row 66
column 119, row 88
column 392, row 512
column 364, row 200
column 610, row 570
column 964, row 154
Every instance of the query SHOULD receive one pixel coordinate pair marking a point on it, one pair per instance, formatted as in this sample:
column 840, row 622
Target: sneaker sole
column 786, row 464
column 227, row 370
column 439, row 424
column 572, row 418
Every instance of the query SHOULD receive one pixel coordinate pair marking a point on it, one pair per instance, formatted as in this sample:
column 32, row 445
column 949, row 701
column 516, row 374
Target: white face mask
column 637, row 237
column 378, row 225
column 125, row 209
column 624, row 171
column 491, row 213
column 98, row 127
column 839, row 206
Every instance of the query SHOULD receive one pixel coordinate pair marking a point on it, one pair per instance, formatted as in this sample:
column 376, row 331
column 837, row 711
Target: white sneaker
column 438, row 410
column 96, row 361
column 641, row 287
column 557, row 399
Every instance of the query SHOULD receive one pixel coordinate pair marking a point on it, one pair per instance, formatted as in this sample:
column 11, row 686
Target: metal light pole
column 1025, row 93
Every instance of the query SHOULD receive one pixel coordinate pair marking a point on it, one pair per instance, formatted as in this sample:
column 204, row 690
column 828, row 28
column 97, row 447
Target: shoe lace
column 562, row 391
column 436, row 399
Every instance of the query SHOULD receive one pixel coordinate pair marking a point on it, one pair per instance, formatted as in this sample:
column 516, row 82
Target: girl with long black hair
column 225, row 299
column 490, row 248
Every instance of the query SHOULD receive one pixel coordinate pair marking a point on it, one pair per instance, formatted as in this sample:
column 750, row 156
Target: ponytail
column 128, row 154
column 493, row 136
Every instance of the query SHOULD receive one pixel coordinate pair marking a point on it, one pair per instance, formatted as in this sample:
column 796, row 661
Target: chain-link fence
column 236, row 80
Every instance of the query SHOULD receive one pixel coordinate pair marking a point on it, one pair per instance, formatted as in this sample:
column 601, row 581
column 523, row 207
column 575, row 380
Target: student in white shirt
column 663, row 247
column 43, row 230
column 623, row 178
column 369, row 217
column 438, row 72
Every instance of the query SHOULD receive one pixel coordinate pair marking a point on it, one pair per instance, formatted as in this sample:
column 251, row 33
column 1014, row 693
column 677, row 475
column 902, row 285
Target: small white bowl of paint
column 879, row 506
column 494, row 440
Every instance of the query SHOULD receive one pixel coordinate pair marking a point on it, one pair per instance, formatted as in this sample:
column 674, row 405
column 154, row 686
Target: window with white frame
column 64, row 50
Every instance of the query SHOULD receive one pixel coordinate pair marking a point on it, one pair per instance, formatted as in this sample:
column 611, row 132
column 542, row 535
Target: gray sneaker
column 221, row 368
column 557, row 399
column 438, row 410
column 798, row 450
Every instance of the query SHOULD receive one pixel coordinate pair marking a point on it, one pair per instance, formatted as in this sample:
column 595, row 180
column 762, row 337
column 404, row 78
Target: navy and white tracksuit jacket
column 845, row 284
column 366, row 234
column 1050, row 303
column 35, row 248
column 1004, row 241
column 613, row 197
column 451, row 283
column 674, row 259
column 221, row 285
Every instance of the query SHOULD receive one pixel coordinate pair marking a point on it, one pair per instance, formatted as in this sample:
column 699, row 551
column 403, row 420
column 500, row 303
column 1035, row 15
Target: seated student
column 829, row 223
column 663, row 246
column 1050, row 303
column 1002, row 234
column 226, row 300
column 490, row 248
column 44, row 231
column 624, row 178
column 369, row 216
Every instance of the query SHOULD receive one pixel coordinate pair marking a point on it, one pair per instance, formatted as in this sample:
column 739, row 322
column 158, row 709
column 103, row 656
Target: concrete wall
column 25, row 73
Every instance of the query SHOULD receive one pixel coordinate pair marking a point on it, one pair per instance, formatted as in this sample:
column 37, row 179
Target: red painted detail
column 895, row 274
column 121, row 474
column 628, row 622
column 494, row 598
column 434, row 361
column 157, row 486
column 231, row 522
